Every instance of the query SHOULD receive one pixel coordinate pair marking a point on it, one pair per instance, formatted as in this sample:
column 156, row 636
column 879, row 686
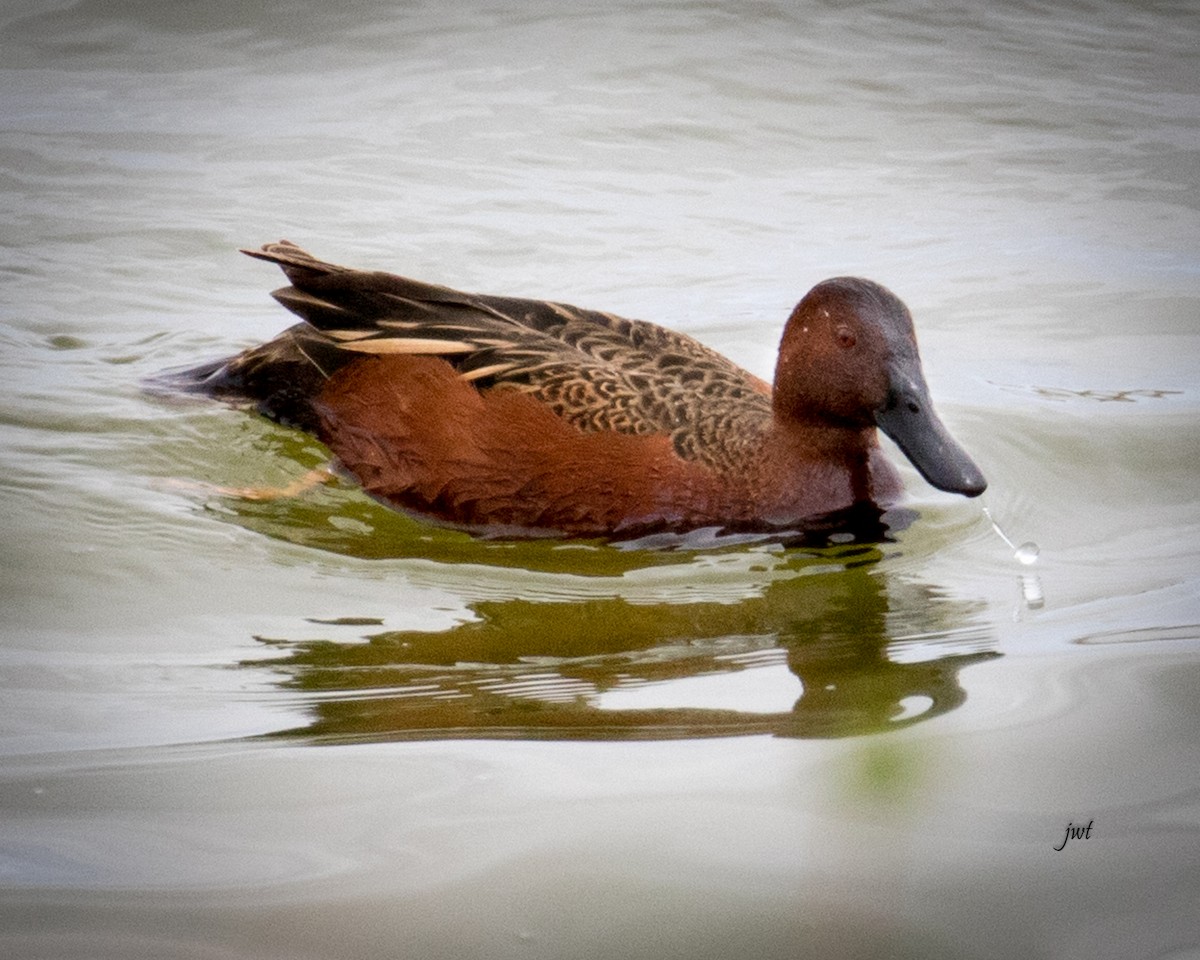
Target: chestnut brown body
column 529, row 416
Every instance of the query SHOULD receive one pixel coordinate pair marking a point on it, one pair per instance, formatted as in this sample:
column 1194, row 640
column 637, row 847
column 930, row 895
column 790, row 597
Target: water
column 309, row 727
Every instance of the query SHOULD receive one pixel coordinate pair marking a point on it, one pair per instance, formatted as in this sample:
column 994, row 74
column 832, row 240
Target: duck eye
column 845, row 337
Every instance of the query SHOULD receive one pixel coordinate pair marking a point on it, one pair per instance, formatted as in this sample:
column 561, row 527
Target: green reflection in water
column 579, row 626
column 542, row 668
column 888, row 773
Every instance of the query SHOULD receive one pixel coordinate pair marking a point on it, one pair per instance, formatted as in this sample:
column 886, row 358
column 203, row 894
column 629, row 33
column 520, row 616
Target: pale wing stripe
column 409, row 345
column 481, row 372
column 294, row 295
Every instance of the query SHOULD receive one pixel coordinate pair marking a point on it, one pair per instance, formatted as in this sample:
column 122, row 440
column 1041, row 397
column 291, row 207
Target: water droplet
column 1031, row 590
column 1027, row 553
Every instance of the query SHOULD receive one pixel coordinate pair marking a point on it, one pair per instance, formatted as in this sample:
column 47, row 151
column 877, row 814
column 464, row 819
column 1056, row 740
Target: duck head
column 849, row 358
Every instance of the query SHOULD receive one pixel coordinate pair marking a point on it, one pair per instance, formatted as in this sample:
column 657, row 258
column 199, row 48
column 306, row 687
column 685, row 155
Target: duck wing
column 597, row 371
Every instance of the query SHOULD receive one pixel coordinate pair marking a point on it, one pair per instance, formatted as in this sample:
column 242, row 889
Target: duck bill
column 908, row 418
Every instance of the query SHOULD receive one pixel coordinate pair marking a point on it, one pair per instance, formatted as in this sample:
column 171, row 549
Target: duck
column 530, row 417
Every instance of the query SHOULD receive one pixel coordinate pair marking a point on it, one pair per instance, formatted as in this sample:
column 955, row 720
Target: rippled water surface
column 310, row 727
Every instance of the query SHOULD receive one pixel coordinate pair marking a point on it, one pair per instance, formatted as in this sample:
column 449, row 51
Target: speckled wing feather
column 595, row 370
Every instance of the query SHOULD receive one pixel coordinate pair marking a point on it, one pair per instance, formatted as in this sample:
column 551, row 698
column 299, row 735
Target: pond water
column 310, row 727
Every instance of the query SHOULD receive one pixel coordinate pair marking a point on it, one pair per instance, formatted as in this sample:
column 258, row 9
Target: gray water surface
column 310, row 727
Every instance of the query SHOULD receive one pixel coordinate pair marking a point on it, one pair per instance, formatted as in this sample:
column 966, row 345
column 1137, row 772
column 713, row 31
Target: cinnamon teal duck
column 526, row 416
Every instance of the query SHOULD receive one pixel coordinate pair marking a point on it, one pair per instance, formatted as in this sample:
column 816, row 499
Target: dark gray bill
column 908, row 418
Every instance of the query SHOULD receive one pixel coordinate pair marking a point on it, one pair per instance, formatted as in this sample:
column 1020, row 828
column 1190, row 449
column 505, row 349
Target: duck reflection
column 588, row 640
column 820, row 643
